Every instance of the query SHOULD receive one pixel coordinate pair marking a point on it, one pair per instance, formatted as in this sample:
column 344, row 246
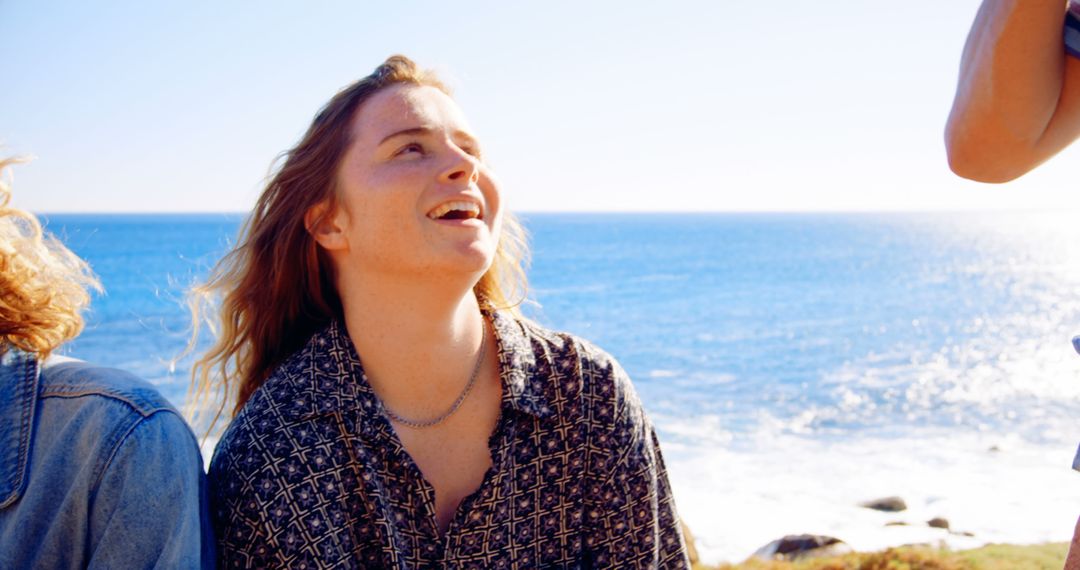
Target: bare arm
column 1018, row 98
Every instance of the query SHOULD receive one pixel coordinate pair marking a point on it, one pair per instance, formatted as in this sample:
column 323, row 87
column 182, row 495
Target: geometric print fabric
column 311, row 475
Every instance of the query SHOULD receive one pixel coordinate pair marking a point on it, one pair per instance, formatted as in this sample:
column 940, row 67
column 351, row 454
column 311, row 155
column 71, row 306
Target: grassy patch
column 1009, row 557
column 993, row 557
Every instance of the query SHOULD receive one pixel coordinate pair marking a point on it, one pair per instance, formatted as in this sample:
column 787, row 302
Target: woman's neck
column 418, row 341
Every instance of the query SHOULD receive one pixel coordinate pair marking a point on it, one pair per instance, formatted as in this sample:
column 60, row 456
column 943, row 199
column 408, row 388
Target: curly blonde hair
column 44, row 287
column 275, row 288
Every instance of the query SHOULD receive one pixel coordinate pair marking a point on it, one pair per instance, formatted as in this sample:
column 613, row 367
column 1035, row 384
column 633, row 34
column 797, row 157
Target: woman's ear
column 326, row 223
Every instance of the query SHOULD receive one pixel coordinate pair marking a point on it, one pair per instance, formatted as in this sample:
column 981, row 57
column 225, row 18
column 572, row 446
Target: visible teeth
column 448, row 207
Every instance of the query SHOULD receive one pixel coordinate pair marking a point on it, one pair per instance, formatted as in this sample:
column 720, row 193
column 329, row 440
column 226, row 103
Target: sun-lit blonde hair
column 44, row 287
column 275, row 288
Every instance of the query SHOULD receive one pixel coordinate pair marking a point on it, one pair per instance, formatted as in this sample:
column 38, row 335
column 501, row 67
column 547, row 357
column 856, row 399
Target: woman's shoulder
column 562, row 343
column 72, row 403
column 602, row 397
column 309, row 383
column 293, row 388
column 91, row 405
column 267, row 412
column 71, row 378
column 603, row 381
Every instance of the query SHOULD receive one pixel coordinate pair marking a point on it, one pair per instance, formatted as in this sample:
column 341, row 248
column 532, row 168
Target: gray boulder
column 939, row 522
column 887, row 504
column 799, row 546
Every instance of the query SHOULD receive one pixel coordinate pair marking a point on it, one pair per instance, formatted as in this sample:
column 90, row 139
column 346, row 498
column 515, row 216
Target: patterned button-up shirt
column 310, row 473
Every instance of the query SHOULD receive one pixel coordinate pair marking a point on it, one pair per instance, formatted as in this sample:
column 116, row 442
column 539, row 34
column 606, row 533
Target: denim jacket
column 97, row 470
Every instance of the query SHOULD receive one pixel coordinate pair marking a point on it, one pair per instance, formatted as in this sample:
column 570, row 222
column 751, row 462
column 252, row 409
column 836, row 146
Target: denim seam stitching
column 144, row 411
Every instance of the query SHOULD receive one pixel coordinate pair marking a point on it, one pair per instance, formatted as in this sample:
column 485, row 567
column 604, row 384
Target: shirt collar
column 519, row 356
column 18, row 399
column 330, row 370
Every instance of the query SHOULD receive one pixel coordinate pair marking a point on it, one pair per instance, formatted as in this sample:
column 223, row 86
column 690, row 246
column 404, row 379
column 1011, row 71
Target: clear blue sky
column 610, row 106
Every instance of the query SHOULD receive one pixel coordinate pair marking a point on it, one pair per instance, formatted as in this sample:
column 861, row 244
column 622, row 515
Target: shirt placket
column 410, row 494
column 401, row 481
column 499, row 445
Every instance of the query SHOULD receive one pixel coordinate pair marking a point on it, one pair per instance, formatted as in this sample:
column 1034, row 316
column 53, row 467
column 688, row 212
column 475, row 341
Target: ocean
column 793, row 364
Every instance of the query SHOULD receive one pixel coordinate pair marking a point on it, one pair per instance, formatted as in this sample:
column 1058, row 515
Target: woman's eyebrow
column 410, row 131
column 426, row 131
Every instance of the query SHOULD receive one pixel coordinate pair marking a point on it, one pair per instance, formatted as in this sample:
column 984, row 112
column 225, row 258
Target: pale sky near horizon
column 582, row 106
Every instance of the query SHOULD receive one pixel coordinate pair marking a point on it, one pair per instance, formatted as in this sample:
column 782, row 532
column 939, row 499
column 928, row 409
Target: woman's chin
column 465, row 261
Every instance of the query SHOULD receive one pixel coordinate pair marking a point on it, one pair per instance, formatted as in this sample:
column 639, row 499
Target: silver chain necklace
column 457, row 403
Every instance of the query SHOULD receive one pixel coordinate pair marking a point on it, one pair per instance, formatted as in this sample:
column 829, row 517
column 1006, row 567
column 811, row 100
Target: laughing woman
column 391, row 407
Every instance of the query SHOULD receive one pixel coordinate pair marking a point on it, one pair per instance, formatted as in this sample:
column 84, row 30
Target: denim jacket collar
column 326, row 375
column 19, row 374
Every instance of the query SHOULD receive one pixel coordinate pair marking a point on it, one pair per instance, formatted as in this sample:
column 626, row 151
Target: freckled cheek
column 388, row 198
column 400, row 191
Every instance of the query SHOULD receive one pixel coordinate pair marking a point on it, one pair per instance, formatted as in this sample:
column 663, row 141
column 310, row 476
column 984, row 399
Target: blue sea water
column 740, row 331
column 843, row 322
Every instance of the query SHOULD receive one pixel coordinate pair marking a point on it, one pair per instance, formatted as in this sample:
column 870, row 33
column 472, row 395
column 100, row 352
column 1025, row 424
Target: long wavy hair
column 44, row 287
column 276, row 288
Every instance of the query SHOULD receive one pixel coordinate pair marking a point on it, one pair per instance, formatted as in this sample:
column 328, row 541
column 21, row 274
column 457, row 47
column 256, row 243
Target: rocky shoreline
column 794, row 547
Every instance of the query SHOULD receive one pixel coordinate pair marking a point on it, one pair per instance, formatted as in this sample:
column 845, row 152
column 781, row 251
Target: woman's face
column 414, row 196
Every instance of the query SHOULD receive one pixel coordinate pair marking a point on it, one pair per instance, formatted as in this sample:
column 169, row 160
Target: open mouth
column 457, row 210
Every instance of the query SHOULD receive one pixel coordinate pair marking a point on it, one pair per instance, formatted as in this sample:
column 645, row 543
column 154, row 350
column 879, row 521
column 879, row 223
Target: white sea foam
column 737, row 501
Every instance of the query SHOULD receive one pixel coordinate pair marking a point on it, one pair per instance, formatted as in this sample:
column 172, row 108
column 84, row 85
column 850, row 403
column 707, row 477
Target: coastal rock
column 799, row 546
column 691, row 550
column 939, row 522
column 887, row 504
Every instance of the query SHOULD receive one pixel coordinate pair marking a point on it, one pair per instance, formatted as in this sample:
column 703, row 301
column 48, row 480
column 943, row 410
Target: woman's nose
column 464, row 167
